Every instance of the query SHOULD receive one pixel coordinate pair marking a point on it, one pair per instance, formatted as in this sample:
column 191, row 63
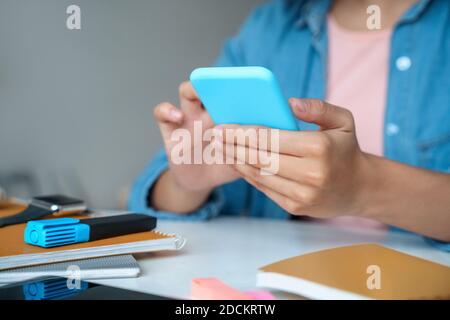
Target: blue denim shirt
column 290, row 38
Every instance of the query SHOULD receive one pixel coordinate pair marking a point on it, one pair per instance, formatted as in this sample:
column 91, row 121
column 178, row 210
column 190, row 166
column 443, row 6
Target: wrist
column 370, row 186
column 168, row 195
column 186, row 189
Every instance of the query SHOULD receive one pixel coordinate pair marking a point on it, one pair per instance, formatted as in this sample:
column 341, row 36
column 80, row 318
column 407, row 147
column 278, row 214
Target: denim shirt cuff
column 444, row 246
column 138, row 201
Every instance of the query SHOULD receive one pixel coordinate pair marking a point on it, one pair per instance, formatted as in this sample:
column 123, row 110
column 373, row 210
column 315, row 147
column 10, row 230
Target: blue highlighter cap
column 56, row 232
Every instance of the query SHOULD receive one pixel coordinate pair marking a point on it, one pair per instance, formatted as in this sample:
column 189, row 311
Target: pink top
column 357, row 80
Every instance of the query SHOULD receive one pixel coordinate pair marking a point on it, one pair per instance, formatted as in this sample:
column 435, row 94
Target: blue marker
column 65, row 231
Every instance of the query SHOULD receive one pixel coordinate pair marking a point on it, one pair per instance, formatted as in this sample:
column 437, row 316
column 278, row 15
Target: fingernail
column 218, row 133
column 300, row 106
column 175, row 114
column 217, row 144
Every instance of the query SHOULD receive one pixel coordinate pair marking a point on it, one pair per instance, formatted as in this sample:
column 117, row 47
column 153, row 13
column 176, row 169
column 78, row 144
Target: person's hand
column 320, row 173
column 191, row 177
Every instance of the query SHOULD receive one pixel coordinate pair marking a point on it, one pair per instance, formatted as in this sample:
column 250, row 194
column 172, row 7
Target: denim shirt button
column 403, row 63
column 392, row 129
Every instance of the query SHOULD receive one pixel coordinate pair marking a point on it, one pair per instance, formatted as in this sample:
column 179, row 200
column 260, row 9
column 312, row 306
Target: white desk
column 232, row 249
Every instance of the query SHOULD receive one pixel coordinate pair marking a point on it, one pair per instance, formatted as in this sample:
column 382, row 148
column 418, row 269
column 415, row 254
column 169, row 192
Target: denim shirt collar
column 415, row 11
column 313, row 14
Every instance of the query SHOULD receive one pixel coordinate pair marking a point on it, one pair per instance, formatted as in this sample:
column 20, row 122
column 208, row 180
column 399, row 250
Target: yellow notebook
column 14, row 252
column 366, row 271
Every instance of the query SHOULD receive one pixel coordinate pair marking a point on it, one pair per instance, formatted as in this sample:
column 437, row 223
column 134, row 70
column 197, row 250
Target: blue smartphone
column 243, row 95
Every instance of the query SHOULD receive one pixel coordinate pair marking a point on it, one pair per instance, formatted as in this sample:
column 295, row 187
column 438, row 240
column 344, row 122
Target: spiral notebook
column 14, row 252
column 123, row 266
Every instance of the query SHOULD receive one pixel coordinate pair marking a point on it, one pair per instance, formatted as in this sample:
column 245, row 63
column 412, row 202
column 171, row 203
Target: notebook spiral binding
column 180, row 241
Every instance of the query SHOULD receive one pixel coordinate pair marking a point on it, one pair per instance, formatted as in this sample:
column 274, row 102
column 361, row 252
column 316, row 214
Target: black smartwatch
column 42, row 206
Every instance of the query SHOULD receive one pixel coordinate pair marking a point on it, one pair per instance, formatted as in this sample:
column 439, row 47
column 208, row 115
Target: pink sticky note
column 214, row 289
column 260, row 295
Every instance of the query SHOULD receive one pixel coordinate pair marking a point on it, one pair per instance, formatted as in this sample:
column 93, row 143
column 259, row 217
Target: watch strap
column 30, row 213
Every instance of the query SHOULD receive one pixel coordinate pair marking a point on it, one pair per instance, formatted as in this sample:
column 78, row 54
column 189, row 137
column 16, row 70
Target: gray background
column 76, row 106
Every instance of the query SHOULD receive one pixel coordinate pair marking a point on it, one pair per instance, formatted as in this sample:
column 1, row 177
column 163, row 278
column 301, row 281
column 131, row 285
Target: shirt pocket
column 434, row 154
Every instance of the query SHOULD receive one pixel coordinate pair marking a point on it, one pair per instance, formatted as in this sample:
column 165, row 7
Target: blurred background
column 76, row 105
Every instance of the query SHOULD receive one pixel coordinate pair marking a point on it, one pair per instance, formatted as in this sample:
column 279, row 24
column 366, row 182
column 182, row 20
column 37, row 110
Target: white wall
column 76, row 106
